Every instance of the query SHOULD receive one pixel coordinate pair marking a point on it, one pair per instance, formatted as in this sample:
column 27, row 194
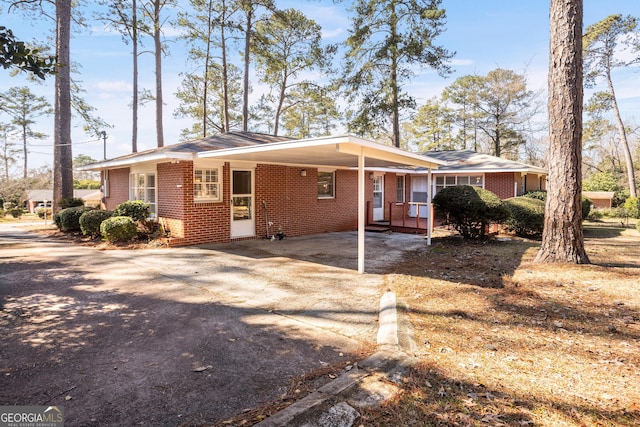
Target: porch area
column 407, row 217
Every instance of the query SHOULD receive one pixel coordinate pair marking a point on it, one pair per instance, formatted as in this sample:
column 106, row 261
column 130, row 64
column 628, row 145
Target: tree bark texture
column 563, row 238
column 62, row 153
column 134, row 39
column 157, row 41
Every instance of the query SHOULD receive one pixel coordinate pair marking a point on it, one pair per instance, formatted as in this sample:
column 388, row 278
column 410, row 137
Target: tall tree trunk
column 225, row 71
column 62, row 153
column 207, row 67
column 276, row 118
column 134, row 39
column 395, row 113
column 157, row 6
column 25, row 151
column 631, row 174
column 247, row 58
column 563, row 238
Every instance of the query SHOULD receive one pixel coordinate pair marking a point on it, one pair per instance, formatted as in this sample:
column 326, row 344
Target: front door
column 378, row 197
column 419, row 194
column 243, row 220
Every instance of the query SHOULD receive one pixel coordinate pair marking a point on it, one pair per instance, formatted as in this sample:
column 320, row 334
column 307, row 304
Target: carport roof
column 332, row 151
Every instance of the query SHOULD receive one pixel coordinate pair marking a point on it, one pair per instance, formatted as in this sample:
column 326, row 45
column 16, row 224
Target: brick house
column 242, row 185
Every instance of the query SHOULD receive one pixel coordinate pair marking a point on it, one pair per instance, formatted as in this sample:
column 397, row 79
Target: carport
column 340, row 152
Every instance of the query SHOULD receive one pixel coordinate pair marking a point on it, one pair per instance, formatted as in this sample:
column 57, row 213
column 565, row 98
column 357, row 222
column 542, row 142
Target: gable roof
column 329, row 151
column 189, row 149
column 607, row 195
column 469, row 161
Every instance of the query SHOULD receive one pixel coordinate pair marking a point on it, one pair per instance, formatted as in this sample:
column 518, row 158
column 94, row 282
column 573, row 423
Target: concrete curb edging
column 388, row 360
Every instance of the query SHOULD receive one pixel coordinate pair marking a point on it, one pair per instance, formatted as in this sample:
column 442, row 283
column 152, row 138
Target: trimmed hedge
column 118, row 229
column 90, row 221
column 632, row 206
column 69, row 219
column 15, row 212
column 135, row 209
column 470, row 209
column 526, row 216
column 537, row 194
column 586, row 207
column 71, row 202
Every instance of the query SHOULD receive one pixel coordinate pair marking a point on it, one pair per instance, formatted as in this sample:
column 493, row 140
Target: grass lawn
column 505, row 341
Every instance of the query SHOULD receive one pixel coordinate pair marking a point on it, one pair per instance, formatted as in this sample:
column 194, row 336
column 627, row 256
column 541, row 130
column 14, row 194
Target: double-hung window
column 326, row 184
column 142, row 186
column 451, row 180
column 206, row 184
column 400, row 189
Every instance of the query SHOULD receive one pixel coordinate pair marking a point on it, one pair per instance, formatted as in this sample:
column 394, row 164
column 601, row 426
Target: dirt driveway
column 181, row 336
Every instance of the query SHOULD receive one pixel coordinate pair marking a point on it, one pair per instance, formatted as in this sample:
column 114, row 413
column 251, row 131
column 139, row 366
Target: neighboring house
column 600, row 199
column 38, row 197
column 242, row 185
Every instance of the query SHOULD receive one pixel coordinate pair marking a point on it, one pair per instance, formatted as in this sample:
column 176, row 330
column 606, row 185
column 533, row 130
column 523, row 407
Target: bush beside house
column 470, row 209
column 69, row 219
column 118, row 229
column 526, row 216
column 90, row 221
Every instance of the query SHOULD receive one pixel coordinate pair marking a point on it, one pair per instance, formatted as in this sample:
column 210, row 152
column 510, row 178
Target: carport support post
column 361, row 211
column 429, row 207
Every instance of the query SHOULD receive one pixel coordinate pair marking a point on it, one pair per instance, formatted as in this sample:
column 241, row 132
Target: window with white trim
column 451, row 180
column 400, row 189
column 206, row 184
column 142, row 186
column 326, row 184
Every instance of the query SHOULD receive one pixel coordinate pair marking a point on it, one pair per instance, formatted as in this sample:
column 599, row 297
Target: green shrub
column 2, row 213
column 118, row 229
column 71, row 202
column 470, row 209
column 632, row 206
column 90, row 221
column 69, row 219
column 537, row 194
column 596, row 215
column 41, row 211
column 137, row 210
column 526, row 216
column 15, row 212
column 586, row 207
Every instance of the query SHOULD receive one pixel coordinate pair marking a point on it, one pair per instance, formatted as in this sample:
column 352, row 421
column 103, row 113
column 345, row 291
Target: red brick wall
column 292, row 201
column 118, row 188
column 502, row 184
column 191, row 222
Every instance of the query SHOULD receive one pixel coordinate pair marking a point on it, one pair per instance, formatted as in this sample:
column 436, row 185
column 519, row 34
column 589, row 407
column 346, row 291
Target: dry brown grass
column 505, row 341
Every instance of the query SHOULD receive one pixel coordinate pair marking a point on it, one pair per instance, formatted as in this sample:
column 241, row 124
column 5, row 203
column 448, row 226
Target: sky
column 484, row 35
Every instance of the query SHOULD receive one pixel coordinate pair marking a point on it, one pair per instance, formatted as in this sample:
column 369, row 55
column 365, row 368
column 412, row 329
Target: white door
column 243, row 220
column 419, row 192
column 378, row 197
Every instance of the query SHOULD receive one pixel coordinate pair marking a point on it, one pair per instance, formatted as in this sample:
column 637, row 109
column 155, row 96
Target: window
column 451, row 180
column 206, row 184
column 326, row 184
column 400, row 189
column 142, row 186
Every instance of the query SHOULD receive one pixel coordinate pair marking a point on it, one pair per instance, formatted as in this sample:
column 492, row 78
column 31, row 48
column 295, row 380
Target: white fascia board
column 144, row 158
